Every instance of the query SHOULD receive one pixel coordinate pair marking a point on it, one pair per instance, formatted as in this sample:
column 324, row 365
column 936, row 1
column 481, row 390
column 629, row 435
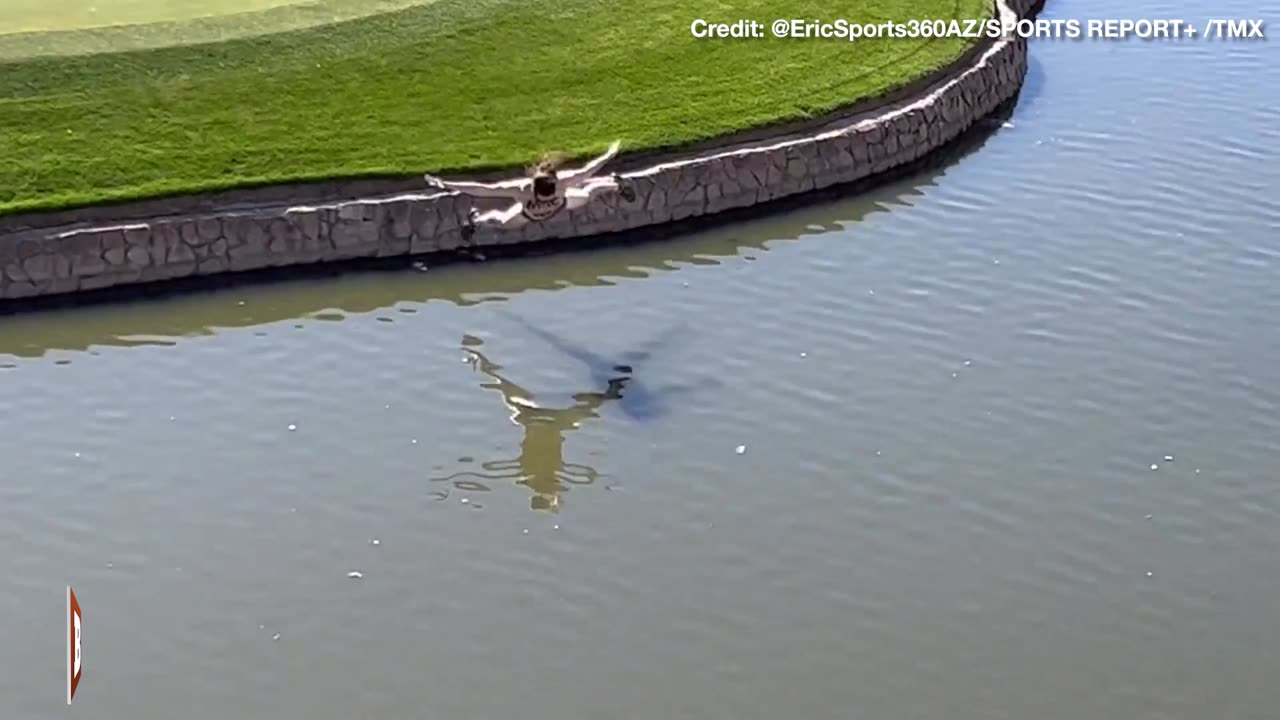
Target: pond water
column 997, row 441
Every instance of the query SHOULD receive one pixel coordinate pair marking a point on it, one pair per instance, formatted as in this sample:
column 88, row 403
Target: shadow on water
column 627, row 374
column 165, row 313
column 540, row 466
column 621, row 380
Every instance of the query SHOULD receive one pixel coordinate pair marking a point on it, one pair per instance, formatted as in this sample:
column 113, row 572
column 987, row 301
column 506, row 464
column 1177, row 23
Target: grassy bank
column 449, row 86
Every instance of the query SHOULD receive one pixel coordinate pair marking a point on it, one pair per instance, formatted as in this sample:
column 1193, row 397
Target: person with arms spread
column 545, row 193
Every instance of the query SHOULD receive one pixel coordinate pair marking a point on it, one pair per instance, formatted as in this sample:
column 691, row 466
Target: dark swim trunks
column 539, row 209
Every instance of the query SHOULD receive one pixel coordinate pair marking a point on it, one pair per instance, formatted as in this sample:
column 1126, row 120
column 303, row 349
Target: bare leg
column 502, row 218
column 575, row 199
column 579, row 197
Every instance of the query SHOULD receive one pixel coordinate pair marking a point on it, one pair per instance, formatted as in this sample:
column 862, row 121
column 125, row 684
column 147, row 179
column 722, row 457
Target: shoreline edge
column 78, row 251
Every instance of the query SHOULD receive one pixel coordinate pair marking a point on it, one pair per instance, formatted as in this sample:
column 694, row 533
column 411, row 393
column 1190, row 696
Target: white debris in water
column 741, row 449
column 1155, row 466
column 955, row 374
column 555, row 527
column 276, row 636
column 1007, row 124
column 525, row 531
column 465, row 501
column 413, row 441
column 1168, row 458
column 967, row 363
column 170, row 418
column 292, row 428
column 262, row 627
column 1148, row 573
column 77, row 454
column 375, row 541
column 877, row 453
column 871, row 292
column 996, row 262
column 1197, row 471
column 1148, row 517
column 355, row 574
column 804, row 354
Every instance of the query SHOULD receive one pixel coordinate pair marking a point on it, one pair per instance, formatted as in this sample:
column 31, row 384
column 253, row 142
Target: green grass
column 30, row 28
column 38, row 15
column 451, row 86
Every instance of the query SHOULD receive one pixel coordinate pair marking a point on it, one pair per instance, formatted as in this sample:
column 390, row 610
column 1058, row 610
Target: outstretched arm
column 511, row 190
column 586, row 172
column 508, row 389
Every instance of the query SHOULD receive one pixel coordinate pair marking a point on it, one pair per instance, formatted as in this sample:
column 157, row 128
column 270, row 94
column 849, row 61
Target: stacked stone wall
column 49, row 261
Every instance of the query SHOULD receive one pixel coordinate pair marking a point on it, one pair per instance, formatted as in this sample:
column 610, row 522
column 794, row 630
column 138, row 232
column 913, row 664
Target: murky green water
column 950, row 396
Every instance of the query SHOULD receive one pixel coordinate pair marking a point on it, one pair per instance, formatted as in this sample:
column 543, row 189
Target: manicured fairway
column 448, row 86
column 82, row 27
column 38, row 15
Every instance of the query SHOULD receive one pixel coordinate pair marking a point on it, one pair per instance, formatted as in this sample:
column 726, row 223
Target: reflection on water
column 1007, row 452
column 625, row 383
column 540, row 466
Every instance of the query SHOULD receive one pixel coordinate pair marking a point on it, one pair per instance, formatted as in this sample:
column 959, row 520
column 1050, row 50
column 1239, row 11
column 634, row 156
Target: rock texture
column 46, row 262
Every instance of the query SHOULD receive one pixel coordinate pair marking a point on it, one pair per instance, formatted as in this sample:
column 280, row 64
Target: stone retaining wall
column 54, row 261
